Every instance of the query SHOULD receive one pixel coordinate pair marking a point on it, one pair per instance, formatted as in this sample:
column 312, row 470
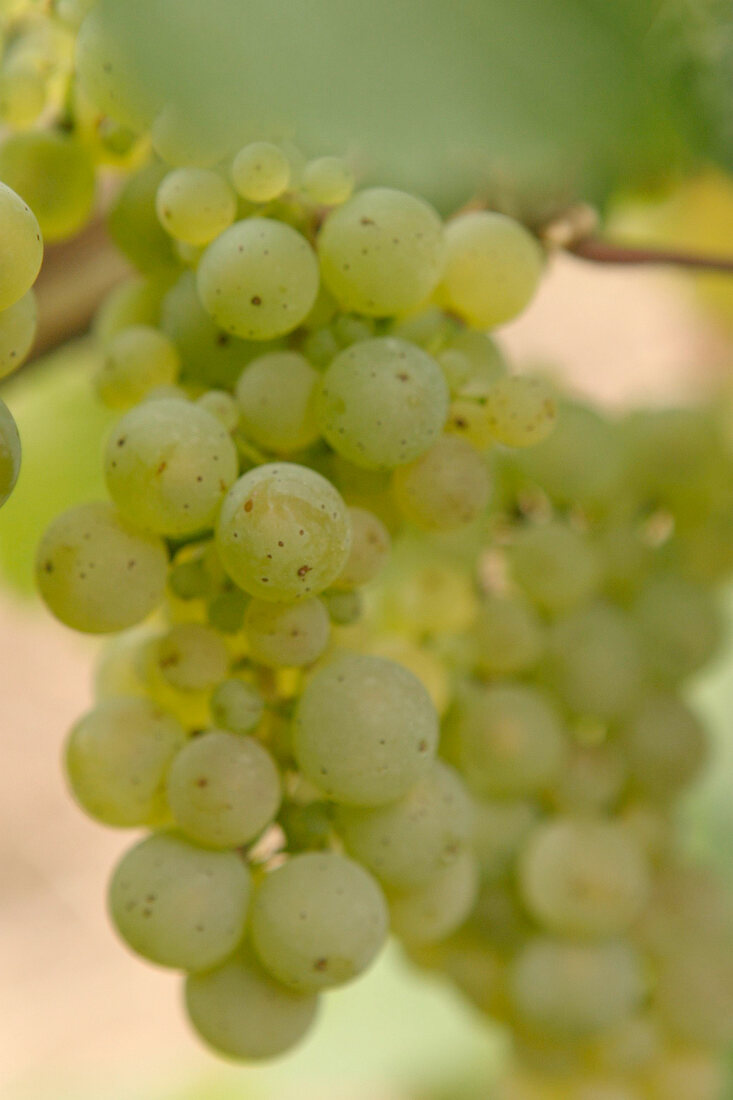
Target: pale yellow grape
column 583, row 877
column 22, row 247
column 190, row 707
column 221, row 405
column 195, row 205
column 666, row 746
column 556, row 566
column 508, row 635
column 97, row 572
column 54, row 174
column 18, row 324
column 136, row 360
column 370, row 546
column 500, row 829
column 258, row 279
column 593, row 778
column 223, row 789
column 469, row 419
column 382, row 402
column 22, row 96
column 429, row 912
column 276, row 395
column 407, row 842
column 179, row 905
column 365, row 730
column 680, row 624
column 168, row 466
column 318, row 921
column 261, row 172
column 492, row 268
column 117, row 758
column 286, row 635
column 328, row 181
column 521, row 410
column 243, row 1013
column 237, row 706
column 426, row 594
column 192, row 657
column 382, row 252
column 283, row 532
column 446, row 488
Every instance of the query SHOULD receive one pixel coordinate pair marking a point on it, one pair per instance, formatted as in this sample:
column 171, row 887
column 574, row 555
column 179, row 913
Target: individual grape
column 520, row 410
column 136, row 360
column 227, row 610
column 430, row 670
column 344, row 607
column 22, row 96
column 428, row 594
column 236, row 706
column 568, row 988
column 22, row 247
column 583, row 877
column 680, row 625
column 492, row 268
column 318, row 921
column 456, row 367
column 96, row 572
column 287, row 635
column 510, row 741
column 500, row 830
column 470, row 421
column 446, row 488
column 666, row 746
column 243, row 1013
column 192, row 657
column 508, row 635
column 191, row 576
column 221, row 405
column 370, row 546
column 629, row 1046
column 487, row 363
column 365, row 730
column 178, row 905
column 430, row 327
column 54, row 174
column 133, row 222
column 117, row 758
column 10, row 453
column 261, row 172
column 555, row 565
column 432, row 911
column 135, row 301
column 407, row 842
column 276, row 395
column 195, row 205
column 350, row 329
column 283, row 532
column 382, row 403
column 381, row 252
column 223, row 789
column 259, row 279
column 328, row 181
column 593, row 778
column 168, row 466
column 320, row 347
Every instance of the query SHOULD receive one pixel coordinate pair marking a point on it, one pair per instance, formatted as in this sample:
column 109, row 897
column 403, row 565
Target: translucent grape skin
column 328, row 180
column 22, row 241
column 97, row 573
column 370, row 546
column 10, row 453
column 223, row 789
column 28, row 161
column 260, row 172
column 318, row 921
column 430, row 912
column 276, row 394
column 287, row 635
column 179, row 905
column 195, row 205
column 236, row 706
column 136, row 360
column 365, row 730
column 117, row 758
column 192, row 657
column 283, row 532
column 446, row 488
column 18, row 324
column 521, row 411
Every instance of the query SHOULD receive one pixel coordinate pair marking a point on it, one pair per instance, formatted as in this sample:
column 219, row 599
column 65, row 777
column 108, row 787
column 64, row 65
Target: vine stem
column 599, row 251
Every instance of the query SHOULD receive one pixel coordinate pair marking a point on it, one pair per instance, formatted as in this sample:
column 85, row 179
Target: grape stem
column 599, row 251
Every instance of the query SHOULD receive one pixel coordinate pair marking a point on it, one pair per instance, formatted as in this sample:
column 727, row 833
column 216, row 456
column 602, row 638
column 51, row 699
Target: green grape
column 10, row 453
column 593, row 778
column 261, row 172
column 568, row 988
column 555, row 565
column 499, row 918
column 287, row 635
column 469, row 419
column 344, row 607
column 433, row 910
column 595, row 661
column 384, row 746
column 583, row 877
column 195, row 205
column 236, row 706
column 135, row 301
column 509, row 737
column 168, row 466
column 350, row 329
column 500, row 830
column 456, row 367
column 133, row 222
column 22, row 96
column 665, row 745
column 54, row 174
column 22, row 247
column 96, row 572
column 227, row 610
column 520, row 410
column 223, row 789
column 221, row 405
column 259, row 279
column 370, row 546
column 382, row 252
column 446, row 488
column 328, row 181
column 117, row 758
column 508, row 636
column 629, row 1046
column 382, row 403
column 276, row 395
column 283, row 532
column 431, row 328
column 307, row 827
column 320, row 347
column 243, row 1013
column 407, row 842
column 686, row 1075
column 178, row 905
column 136, row 360
column 192, row 657
column 492, row 268
column 318, row 921
column 680, row 625
column 487, row 363
column 189, row 578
